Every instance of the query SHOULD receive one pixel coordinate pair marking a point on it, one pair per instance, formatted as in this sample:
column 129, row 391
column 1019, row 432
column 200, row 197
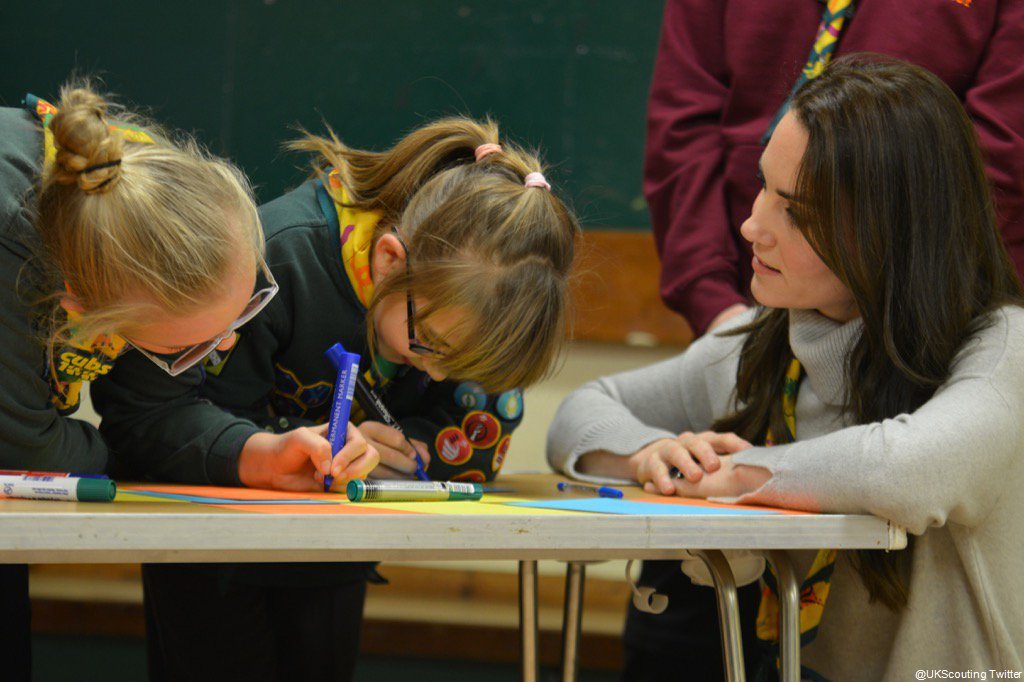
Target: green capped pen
column 412, row 491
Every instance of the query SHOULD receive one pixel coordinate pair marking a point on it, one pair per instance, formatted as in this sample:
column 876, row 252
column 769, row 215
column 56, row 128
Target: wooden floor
column 435, row 613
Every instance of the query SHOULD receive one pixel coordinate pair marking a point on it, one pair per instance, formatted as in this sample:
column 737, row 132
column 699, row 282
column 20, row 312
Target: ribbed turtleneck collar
column 822, row 346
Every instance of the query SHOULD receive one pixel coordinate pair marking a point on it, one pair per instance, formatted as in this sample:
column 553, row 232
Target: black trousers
column 15, row 623
column 684, row 642
column 226, row 622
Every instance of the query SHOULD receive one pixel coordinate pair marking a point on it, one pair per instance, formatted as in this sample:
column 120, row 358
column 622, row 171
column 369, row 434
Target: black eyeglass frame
column 410, row 308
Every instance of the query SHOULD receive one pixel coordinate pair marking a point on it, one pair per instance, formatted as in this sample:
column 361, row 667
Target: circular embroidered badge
column 471, row 476
column 510, row 404
column 499, row 453
column 451, row 446
column 470, row 396
column 482, row 429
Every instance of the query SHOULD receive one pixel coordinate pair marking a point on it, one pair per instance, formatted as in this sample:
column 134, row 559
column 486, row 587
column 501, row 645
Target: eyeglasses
column 414, row 345
column 176, row 363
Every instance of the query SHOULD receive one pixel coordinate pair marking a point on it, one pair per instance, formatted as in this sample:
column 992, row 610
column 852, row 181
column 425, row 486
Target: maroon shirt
column 723, row 69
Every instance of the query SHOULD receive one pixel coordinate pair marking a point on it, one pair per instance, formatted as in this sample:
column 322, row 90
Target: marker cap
column 96, row 490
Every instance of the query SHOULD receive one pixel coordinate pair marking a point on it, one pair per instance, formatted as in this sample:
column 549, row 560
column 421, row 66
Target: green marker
column 412, row 491
column 59, row 487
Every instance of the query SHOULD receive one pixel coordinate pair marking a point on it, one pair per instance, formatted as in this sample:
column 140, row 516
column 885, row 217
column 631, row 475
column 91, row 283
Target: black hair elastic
column 98, row 166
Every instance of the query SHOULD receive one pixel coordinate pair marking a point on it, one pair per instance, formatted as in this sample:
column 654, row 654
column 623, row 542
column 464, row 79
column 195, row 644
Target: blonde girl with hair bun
column 113, row 238
column 444, row 262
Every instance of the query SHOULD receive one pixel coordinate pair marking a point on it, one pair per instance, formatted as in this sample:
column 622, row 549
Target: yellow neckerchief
column 84, row 360
column 45, row 112
column 356, row 238
column 815, row 588
column 356, row 230
column 826, row 40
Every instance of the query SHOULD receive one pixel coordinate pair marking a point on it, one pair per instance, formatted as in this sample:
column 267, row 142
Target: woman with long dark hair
column 883, row 373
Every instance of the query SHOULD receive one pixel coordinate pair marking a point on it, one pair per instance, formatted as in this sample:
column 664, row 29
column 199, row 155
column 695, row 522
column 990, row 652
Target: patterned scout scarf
column 356, row 238
column 815, row 587
column 83, row 360
column 356, row 228
column 833, row 21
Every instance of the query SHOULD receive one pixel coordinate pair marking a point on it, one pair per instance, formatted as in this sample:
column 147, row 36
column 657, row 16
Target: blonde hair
column 479, row 241
column 135, row 228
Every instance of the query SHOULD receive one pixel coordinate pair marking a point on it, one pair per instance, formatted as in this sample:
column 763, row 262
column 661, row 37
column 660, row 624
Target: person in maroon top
column 724, row 68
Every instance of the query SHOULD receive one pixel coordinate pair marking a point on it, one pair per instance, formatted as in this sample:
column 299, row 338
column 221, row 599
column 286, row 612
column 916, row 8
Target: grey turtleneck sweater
column 952, row 473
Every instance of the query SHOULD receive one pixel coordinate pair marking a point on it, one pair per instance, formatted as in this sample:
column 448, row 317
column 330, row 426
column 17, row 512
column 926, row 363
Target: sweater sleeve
column 624, row 412
column 947, row 461
column 996, row 106
column 683, row 170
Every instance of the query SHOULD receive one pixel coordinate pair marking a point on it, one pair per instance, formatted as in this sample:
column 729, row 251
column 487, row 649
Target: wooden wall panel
column 616, row 292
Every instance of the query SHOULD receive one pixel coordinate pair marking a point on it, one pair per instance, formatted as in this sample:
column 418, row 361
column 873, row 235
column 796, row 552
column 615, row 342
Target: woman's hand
column 691, row 454
column 730, row 480
column 299, row 459
column 397, row 459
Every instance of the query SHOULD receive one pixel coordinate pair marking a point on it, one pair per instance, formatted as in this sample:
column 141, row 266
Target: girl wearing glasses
column 113, row 238
column 443, row 262
column 882, row 374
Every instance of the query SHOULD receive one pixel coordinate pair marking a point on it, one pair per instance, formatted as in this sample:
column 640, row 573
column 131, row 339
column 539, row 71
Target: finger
column 386, row 435
column 315, row 446
column 702, row 451
column 394, row 459
column 361, row 466
column 386, row 472
column 726, row 443
column 423, row 449
column 355, row 446
column 650, row 488
column 681, row 458
column 320, row 429
column 659, row 475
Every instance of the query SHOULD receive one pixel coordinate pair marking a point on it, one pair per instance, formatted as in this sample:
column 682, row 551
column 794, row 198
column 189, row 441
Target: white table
column 155, row 532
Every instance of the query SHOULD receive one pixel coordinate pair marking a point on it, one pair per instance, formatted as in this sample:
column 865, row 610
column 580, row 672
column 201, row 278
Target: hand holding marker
column 347, row 365
column 377, row 411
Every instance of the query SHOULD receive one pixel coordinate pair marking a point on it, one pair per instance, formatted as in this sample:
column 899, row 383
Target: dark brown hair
column 895, row 201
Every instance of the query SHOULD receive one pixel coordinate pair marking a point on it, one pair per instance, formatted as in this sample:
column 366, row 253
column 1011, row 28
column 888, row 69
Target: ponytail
column 485, row 234
column 88, row 150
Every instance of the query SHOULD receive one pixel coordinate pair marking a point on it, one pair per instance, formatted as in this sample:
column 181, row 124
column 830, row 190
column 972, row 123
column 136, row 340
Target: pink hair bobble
column 485, row 149
column 536, row 179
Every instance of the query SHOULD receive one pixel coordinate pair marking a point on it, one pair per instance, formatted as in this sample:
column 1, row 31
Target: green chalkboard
column 569, row 76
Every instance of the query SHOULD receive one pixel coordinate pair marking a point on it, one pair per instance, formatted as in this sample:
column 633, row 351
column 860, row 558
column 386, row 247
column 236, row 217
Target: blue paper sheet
column 603, row 505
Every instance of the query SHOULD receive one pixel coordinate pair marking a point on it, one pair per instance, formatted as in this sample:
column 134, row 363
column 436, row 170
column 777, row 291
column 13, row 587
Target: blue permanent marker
column 347, row 365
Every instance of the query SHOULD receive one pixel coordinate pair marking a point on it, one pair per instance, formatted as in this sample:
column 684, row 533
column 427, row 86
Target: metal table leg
column 572, row 617
column 728, row 613
column 789, row 621
column 528, row 620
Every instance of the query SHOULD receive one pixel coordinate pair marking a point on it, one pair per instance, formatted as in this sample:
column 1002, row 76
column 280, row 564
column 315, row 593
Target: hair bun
column 88, row 151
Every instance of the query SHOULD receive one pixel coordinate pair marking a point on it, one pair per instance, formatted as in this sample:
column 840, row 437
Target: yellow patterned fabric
column 833, row 21
column 356, row 238
column 815, row 588
column 356, row 231
column 78, row 362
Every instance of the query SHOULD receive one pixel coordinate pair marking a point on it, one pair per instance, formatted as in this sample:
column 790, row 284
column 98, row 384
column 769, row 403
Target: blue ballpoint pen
column 599, row 491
